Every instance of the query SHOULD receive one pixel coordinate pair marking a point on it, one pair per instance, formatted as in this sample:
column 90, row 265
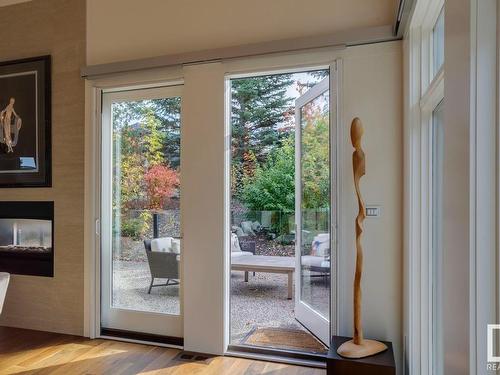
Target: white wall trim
column 91, row 213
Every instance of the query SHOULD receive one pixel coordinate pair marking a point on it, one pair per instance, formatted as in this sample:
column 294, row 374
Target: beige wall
column 130, row 29
column 372, row 91
column 55, row 27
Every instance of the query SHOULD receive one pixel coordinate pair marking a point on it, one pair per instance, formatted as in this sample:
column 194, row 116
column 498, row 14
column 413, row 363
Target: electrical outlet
column 372, row 211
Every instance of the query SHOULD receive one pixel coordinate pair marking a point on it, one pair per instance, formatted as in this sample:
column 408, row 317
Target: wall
column 55, row 27
column 372, row 91
column 129, row 29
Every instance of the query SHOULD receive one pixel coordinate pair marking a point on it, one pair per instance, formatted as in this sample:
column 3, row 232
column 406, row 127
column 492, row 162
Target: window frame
column 424, row 92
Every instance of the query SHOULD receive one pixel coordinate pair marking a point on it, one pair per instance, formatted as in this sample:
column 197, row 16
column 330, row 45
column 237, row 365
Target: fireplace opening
column 26, row 238
column 25, row 235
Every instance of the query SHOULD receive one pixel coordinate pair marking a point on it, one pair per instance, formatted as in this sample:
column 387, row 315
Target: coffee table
column 267, row 264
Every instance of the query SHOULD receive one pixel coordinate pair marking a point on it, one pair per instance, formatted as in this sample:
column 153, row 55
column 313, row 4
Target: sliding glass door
column 141, row 285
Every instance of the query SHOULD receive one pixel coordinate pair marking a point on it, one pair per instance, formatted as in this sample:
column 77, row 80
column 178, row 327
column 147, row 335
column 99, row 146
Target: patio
column 259, row 303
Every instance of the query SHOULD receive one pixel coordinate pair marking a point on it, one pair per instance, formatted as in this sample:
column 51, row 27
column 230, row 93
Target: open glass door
column 312, row 210
column 141, row 289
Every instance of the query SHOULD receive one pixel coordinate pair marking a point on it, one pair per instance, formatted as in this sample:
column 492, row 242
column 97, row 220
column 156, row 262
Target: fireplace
column 27, row 238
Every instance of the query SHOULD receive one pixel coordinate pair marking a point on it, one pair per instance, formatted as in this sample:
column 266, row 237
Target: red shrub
column 161, row 184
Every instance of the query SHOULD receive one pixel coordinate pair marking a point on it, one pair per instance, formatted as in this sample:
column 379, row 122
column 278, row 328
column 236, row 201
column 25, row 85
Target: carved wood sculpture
column 358, row 347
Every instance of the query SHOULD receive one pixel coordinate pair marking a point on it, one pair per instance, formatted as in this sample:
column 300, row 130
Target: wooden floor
column 34, row 352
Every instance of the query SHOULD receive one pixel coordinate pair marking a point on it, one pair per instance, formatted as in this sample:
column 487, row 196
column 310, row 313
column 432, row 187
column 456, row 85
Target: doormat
column 283, row 338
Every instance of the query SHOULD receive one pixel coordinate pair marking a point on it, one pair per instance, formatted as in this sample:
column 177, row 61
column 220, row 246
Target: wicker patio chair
column 162, row 265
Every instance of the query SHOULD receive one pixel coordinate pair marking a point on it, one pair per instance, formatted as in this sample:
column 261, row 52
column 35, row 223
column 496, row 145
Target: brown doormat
column 283, row 338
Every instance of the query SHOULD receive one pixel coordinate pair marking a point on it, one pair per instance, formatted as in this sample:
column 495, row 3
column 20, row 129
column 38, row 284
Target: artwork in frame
column 25, row 123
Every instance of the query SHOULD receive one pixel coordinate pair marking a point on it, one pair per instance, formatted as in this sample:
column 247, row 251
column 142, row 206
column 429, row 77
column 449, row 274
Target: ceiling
column 119, row 30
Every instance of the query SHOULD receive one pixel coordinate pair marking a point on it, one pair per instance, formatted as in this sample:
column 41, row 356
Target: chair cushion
column 163, row 244
column 176, row 246
column 313, row 261
column 321, row 245
column 235, row 243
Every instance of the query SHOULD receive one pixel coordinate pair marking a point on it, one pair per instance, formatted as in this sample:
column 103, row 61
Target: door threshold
column 142, row 338
column 277, row 355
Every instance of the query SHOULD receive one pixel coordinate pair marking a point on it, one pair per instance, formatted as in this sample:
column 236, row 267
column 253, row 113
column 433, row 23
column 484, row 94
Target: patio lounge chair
column 319, row 258
column 236, row 248
column 163, row 261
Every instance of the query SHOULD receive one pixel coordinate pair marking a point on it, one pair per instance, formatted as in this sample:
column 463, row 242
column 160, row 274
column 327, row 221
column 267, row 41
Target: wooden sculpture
column 358, row 347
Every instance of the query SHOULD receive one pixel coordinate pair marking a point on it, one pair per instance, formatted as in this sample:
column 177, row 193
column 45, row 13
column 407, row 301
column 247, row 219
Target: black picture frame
column 25, row 85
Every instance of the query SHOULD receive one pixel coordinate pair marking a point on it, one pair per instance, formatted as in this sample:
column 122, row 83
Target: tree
column 167, row 112
column 273, row 186
column 138, row 147
column 315, row 162
column 161, row 184
column 259, row 106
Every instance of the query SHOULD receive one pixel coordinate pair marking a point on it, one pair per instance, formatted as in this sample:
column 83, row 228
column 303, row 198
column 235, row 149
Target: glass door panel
column 313, row 218
column 141, row 233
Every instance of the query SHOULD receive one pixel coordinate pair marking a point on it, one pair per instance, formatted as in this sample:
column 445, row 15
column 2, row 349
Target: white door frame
column 93, row 124
column 304, row 313
column 295, row 63
column 118, row 318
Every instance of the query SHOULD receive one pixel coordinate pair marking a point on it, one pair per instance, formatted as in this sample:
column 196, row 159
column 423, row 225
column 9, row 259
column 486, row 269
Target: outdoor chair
column 163, row 263
column 318, row 260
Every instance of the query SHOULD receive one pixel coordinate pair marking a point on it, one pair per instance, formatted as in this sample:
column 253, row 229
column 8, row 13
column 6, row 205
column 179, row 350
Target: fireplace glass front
column 25, row 236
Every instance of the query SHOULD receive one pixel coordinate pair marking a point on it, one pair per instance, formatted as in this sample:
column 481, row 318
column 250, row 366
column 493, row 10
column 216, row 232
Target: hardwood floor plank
column 25, row 352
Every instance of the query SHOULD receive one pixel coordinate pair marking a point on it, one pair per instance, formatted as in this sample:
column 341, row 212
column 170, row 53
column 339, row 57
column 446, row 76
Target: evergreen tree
column 260, row 108
column 167, row 112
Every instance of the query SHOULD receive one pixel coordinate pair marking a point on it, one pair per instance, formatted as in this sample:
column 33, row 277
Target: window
column 438, row 43
column 425, row 52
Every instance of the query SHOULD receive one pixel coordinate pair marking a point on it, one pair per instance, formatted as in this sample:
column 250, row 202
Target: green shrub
column 132, row 228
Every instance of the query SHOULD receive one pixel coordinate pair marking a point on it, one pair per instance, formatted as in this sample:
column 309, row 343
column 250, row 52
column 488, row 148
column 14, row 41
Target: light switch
column 372, row 211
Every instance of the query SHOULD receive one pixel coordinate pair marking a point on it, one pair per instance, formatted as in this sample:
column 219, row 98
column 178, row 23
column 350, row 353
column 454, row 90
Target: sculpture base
column 367, row 348
column 379, row 364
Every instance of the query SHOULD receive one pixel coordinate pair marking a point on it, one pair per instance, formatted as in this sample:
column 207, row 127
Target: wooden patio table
column 266, row 264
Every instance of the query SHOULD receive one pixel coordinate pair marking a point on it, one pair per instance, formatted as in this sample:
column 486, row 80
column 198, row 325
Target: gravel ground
column 130, row 285
column 262, row 302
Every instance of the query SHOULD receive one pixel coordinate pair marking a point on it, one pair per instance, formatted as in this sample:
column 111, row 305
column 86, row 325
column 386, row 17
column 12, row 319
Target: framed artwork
column 25, row 123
